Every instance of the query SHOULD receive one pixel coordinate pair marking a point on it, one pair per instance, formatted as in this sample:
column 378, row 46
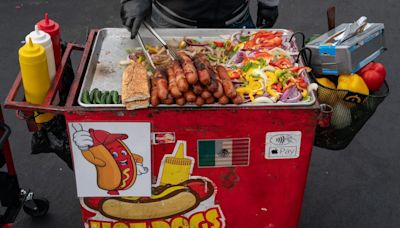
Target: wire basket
column 347, row 112
column 350, row 111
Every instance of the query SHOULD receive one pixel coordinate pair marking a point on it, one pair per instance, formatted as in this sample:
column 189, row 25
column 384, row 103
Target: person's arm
column 133, row 13
column 267, row 13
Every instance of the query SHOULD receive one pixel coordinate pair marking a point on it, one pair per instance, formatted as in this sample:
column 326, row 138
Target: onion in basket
column 341, row 116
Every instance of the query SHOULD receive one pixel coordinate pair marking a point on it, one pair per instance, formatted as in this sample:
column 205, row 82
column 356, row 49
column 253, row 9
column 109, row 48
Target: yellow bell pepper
column 326, row 82
column 353, row 83
column 272, row 79
column 245, row 90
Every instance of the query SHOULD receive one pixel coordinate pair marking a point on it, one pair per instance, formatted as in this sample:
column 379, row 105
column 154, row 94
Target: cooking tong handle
column 155, row 34
column 170, row 51
column 146, row 53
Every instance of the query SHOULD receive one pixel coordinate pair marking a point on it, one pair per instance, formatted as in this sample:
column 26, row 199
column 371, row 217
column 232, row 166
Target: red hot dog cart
column 214, row 166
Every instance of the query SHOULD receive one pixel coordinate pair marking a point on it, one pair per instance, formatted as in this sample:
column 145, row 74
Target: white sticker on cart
column 282, row 145
column 163, row 138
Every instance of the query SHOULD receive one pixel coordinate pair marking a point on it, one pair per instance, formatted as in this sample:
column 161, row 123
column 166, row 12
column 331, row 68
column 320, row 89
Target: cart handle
column 6, row 133
column 47, row 106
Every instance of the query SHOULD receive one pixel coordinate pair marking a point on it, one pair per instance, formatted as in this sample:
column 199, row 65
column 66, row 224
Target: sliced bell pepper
column 301, row 83
column 282, row 63
column 266, row 42
column 263, row 55
column 245, row 90
column 299, row 69
column 228, row 45
column 219, row 44
column 249, row 44
column 234, row 74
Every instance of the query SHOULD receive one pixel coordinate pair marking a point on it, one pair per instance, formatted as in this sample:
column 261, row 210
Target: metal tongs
column 169, row 50
column 351, row 30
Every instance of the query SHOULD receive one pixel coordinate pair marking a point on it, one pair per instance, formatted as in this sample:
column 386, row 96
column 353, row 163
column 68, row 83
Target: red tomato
column 373, row 79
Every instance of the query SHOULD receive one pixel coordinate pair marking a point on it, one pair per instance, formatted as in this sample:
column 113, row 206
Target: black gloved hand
column 266, row 15
column 133, row 13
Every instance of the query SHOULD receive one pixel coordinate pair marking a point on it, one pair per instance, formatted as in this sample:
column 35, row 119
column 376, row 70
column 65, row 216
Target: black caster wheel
column 37, row 207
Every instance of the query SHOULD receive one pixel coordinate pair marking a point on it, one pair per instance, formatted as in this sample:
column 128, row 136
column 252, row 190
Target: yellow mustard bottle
column 178, row 167
column 35, row 76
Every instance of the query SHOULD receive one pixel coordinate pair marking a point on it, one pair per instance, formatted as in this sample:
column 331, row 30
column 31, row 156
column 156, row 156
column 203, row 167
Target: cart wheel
column 40, row 209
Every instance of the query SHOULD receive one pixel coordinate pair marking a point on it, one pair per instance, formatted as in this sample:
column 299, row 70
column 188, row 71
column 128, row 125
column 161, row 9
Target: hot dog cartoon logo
column 117, row 166
column 178, row 200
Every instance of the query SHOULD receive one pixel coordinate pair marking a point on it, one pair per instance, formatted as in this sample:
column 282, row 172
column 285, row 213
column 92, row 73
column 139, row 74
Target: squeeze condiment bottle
column 53, row 29
column 35, row 76
column 43, row 39
column 177, row 168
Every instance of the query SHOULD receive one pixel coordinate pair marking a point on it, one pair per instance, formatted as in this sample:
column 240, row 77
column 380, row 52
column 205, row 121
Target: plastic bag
column 53, row 138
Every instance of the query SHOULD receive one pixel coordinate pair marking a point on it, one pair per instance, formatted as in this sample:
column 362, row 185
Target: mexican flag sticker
column 223, row 152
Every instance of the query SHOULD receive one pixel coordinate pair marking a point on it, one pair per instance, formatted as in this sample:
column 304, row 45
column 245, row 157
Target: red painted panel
column 267, row 193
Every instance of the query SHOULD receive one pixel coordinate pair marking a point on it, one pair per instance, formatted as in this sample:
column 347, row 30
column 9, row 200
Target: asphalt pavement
column 355, row 187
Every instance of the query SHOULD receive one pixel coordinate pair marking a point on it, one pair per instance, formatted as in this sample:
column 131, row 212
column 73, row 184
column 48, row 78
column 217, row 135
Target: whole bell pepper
column 326, row 82
column 353, row 83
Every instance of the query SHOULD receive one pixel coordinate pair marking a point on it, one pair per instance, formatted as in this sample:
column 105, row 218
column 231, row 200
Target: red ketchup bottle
column 53, row 29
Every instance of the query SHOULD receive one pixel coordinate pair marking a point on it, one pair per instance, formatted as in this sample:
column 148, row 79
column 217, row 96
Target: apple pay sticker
column 282, row 145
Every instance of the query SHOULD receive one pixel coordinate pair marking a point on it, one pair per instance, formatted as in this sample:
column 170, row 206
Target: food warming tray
column 110, row 47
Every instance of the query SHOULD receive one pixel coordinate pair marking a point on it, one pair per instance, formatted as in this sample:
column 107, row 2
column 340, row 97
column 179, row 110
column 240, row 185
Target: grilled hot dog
column 180, row 77
column 188, row 68
column 229, row 88
column 173, row 88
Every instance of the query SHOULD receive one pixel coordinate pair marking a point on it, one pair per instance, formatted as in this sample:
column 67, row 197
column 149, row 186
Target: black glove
column 266, row 15
column 133, row 13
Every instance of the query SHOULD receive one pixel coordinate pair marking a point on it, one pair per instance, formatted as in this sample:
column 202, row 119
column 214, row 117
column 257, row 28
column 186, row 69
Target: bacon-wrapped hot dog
column 220, row 90
column 223, row 100
column 172, row 87
column 199, row 101
column 190, row 96
column 202, row 71
column 206, row 94
column 154, row 94
column 180, row 101
column 188, row 68
column 161, row 84
column 238, row 99
column 229, row 88
column 213, row 86
column 210, row 100
column 180, row 77
column 169, row 100
column 197, row 89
